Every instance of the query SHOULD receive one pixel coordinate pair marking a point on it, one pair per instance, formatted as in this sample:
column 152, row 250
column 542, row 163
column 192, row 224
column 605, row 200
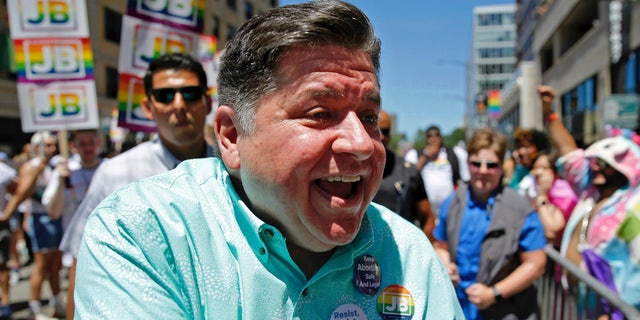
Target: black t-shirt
column 402, row 187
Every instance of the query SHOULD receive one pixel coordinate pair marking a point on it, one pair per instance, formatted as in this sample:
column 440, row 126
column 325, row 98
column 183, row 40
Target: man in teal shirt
column 280, row 225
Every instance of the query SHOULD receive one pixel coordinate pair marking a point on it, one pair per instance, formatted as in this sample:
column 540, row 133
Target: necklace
column 584, row 227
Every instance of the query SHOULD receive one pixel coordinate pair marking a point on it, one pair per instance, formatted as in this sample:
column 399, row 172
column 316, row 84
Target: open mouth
column 340, row 186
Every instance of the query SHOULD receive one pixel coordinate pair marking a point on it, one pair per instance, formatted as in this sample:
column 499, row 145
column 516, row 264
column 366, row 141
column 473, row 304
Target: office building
column 492, row 60
column 589, row 52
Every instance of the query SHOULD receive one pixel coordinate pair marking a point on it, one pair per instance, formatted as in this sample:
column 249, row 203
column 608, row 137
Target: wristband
column 496, row 294
column 552, row 117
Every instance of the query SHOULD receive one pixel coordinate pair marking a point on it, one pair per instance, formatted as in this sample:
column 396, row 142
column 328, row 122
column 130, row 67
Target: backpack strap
column 455, row 165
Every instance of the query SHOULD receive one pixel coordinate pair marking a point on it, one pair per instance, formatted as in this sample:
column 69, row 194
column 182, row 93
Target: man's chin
column 340, row 237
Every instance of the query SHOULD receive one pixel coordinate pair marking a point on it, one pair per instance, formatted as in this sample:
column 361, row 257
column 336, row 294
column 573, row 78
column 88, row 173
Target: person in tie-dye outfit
column 605, row 176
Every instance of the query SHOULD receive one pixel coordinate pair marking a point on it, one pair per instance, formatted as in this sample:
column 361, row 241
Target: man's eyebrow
column 373, row 97
column 331, row 93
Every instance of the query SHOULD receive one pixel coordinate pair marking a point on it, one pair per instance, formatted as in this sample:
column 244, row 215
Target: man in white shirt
column 176, row 100
column 442, row 168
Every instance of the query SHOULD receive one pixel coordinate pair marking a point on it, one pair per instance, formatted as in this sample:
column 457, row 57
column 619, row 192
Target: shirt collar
column 167, row 158
column 474, row 204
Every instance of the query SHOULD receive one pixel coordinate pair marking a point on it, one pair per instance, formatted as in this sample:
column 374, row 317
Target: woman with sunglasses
column 491, row 239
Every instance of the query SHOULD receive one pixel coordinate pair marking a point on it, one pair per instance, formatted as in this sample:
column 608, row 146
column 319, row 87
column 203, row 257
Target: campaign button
column 395, row 302
column 348, row 312
column 367, row 275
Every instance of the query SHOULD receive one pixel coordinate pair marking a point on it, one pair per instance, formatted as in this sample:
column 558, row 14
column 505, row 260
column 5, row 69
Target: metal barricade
column 594, row 300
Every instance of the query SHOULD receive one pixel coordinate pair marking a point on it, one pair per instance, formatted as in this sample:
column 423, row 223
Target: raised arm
column 558, row 134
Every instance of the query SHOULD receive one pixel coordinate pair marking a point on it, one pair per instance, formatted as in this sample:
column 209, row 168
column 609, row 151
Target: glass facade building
column 492, row 59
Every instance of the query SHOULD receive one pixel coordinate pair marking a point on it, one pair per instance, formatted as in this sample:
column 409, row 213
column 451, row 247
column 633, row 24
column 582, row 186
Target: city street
column 20, row 294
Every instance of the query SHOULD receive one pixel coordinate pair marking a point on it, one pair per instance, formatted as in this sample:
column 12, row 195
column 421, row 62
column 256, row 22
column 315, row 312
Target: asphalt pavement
column 20, row 294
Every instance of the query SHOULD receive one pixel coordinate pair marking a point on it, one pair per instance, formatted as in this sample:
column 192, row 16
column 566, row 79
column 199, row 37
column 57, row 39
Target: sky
column 425, row 45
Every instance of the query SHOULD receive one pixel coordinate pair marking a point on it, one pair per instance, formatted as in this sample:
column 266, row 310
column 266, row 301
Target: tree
column 396, row 138
column 455, row 136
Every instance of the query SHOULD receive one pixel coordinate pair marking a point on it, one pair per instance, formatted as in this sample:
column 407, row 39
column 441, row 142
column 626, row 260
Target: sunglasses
column 490, row 165
column 166, row 95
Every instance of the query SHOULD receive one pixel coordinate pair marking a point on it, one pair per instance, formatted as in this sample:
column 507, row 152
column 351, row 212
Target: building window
column 630, row 74
column 231, row 4
column 580, row 99
column 231, row 30
column 112, row 82
column 495, row 19
column 248, row 10
column 6, row 51
column 625, row 75
column 112, row 25
column 496, row 52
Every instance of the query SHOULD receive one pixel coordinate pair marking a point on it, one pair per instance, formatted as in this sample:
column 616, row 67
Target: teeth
column 342, row 179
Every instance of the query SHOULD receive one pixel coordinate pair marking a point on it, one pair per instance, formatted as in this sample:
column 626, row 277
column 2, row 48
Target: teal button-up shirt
column 183, row 245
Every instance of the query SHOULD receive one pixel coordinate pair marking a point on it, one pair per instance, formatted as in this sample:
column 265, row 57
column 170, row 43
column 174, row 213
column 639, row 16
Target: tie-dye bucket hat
column 620, row 153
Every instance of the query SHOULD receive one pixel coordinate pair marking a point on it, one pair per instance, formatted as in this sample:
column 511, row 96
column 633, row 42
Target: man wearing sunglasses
column 443, row 168
column 176, row 100
column 606, row 176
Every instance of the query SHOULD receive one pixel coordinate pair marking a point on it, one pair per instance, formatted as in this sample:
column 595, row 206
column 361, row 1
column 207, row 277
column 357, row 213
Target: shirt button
column 305, row 292
column 262, row 251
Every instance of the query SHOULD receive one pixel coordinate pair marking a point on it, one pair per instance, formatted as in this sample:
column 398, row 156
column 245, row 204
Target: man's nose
column 354, row 138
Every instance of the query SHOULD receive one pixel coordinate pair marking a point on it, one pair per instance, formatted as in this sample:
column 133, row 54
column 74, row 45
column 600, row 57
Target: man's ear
column 147, row 108
column 227, row 136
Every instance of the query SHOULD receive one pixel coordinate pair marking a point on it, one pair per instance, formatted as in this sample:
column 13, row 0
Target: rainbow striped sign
column 149, row 30
column 130, row 96
column 58, row 105
column 47, row 18
column 182, row 14
column 144, row 41
column 40, row 60
column 494, row 103
column 206, row 55
column 54, row 64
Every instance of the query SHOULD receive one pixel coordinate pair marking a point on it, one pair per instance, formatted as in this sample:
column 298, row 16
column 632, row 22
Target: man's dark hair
column 540, row 140
column 533, row 136
column 433, row 128
column 174, row 61
column 251, row 57
column 74, row 133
